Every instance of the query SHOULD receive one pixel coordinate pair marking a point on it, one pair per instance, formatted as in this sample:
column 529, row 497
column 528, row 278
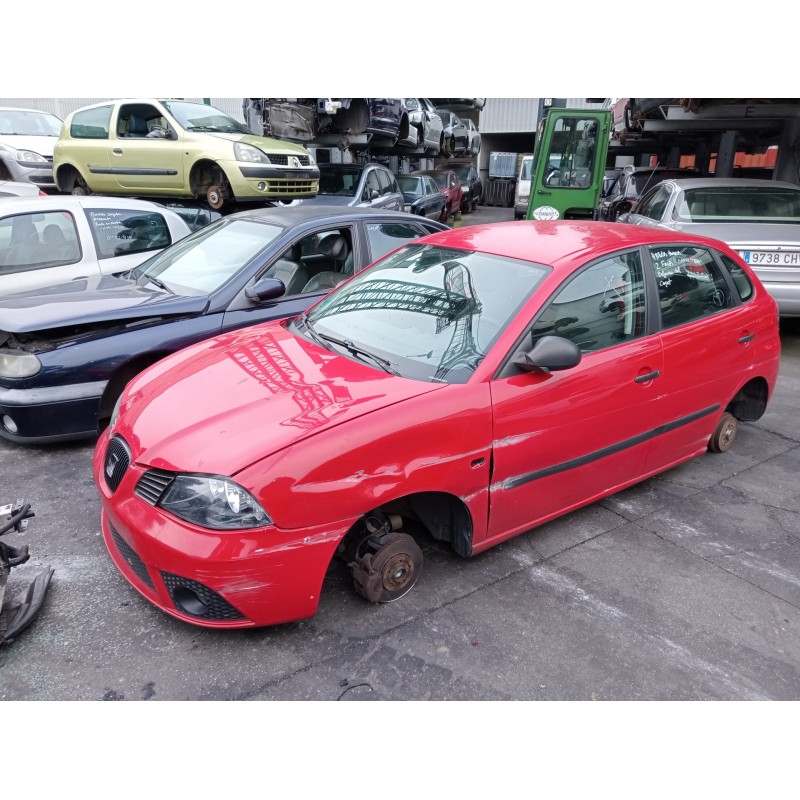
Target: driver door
column 142, row 160
column 565, row 438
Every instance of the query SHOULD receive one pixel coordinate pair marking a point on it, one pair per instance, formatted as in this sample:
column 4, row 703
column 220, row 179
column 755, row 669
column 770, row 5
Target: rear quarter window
column 91, row 124
column 739, row 277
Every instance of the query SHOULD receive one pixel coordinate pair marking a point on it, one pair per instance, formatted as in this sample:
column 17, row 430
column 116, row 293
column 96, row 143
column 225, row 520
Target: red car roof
column 558, row 243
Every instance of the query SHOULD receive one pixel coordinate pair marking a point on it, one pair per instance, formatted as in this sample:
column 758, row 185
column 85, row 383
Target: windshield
column 207, row 259
column 462, row 170
column 740, row 204
column 410, row 187
column 432, row 312
column 440, row 179
column 28, row 123
column 197, row 117
column 340, row 181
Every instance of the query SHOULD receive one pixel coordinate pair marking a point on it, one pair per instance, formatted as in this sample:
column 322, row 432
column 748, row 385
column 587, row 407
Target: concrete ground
column 686, row 586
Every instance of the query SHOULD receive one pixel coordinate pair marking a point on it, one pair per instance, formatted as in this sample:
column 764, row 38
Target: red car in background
column 450, row 186
column 469, row 386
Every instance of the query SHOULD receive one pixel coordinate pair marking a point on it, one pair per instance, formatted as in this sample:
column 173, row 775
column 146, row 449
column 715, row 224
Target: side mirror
column 374, row 194
column 265, row 289
column 549, row 354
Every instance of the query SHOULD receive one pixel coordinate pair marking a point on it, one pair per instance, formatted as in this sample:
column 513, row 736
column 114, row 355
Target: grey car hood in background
column 43, row 145
column 106, row 299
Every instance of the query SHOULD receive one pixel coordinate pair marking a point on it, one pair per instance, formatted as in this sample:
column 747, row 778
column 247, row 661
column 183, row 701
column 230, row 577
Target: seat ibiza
column 468, row 386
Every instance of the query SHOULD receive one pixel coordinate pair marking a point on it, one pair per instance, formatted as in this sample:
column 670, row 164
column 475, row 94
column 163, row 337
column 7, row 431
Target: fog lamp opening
column 187, row 600
column 9, row 424
column 261, row 186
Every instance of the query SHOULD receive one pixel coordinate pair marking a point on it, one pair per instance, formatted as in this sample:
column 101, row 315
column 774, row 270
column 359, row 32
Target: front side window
column 572, row 146
column 118, row 232
column 690, row 284
column 657, row 204
column 93, row 123
column 432, row 312
column 372, row 185
column 38, row 241
column 600, row 307
column 141, row 122
column 384, row 180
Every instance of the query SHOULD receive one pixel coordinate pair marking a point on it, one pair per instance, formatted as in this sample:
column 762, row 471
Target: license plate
column 771, row 257
column 299, row 174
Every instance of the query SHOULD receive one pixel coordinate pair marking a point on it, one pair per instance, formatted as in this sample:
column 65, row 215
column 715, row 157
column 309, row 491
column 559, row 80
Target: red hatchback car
column 473, row 384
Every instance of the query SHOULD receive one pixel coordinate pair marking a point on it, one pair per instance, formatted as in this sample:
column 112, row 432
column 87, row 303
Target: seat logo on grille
column 111, row 463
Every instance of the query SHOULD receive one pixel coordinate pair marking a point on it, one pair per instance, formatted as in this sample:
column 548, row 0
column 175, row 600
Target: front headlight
column 212, row 501
column 29, row 155
column 246, row 152
column 115, row 413
column 18, row 365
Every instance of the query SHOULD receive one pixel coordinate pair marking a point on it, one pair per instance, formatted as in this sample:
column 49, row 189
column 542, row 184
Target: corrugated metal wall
column 509, row 115
column 61, row 106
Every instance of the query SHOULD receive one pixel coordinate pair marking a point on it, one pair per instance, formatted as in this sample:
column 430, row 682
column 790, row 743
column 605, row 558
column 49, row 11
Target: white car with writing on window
column 760, row 219
column 50, row 240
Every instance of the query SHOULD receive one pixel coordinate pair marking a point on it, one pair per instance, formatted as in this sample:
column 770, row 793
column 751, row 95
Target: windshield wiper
column 160, row 284
column 305, row 321
column 359, row 352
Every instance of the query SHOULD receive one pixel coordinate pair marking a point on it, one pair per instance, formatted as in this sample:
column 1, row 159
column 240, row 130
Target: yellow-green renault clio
column 174, row 148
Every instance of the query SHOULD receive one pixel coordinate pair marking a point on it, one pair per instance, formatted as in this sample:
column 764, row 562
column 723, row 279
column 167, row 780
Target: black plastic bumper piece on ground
column 16, row 616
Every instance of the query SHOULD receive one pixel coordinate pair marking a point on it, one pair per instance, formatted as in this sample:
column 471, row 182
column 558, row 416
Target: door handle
column 542, row 191
column 648, row 377
column 117, row 150
column 748, row 338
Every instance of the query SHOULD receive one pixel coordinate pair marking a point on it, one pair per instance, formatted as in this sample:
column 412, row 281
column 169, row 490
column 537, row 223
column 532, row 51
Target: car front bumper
column 52, row 413
column 210, row 578
column 253, row 182
column 31, row 172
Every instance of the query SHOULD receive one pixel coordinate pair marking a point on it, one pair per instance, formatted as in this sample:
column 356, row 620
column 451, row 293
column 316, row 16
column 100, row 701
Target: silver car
column 366, row 185
column 760, row 219
column 424, row 118
column 27, row 139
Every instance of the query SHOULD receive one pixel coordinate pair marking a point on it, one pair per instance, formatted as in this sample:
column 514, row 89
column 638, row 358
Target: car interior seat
column 290, row 269
column 56, row 247
column 137, row 125
column 24, row 243
column 338, row 250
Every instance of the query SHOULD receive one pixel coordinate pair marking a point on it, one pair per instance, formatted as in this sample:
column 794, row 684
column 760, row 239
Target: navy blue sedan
column 422, row 196
column 67, row 351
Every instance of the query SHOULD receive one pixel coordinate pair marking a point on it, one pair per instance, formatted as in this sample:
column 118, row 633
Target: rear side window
column 384, row 237
column 690, row 284
column 91, row 124
column 739, row 277
column 118, row 232
column 38, row 241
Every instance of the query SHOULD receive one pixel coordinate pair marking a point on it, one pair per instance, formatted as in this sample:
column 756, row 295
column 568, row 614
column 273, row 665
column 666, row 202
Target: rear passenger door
column 707, row 338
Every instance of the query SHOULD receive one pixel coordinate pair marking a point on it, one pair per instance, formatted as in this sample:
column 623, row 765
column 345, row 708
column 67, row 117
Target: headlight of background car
column 29, row 155
column 246, row 152
column 213, row 502
column 18, row 365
